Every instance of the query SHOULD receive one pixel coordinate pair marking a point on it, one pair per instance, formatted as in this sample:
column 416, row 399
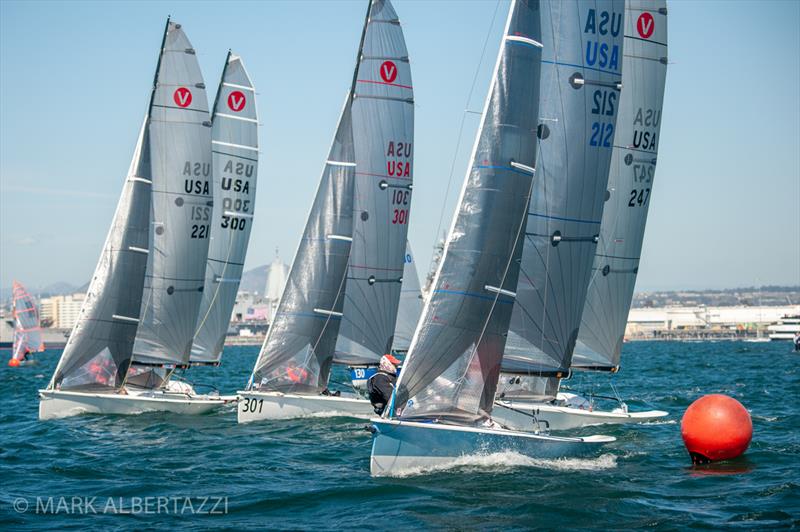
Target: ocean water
column 168, row 471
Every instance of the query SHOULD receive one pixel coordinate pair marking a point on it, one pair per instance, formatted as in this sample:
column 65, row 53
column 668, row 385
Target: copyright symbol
column 20, row 505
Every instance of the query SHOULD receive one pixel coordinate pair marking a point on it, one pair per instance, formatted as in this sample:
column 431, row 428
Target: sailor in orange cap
column 381, row 385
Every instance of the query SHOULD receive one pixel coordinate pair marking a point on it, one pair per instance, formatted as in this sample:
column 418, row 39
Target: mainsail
column 179, row 138
column 454, row 361
column 410, row 305
column 383, row 134
column 27, row 331
column 235, row 165
column 633, row 165
column 580, row 84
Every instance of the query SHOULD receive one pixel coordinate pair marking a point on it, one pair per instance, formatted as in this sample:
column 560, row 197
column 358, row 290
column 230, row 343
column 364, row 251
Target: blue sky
column 75, row 77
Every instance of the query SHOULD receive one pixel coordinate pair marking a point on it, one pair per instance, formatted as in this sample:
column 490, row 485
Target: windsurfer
column 381, row 385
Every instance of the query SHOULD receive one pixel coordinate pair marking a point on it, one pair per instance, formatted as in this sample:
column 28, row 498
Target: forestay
column 383, row 134
column 27, row 332
column 234, row 167
column 630, row 186
column 454, row 361
column 580, row 84
column 410, row 306
column 180, row 151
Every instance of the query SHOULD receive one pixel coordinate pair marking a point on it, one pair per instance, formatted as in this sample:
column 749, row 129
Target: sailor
column 797, row 341
column 381, row 385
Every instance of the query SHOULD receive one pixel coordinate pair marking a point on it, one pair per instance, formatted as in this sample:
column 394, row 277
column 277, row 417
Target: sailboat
column 139, row 316
column 443, row 403
column 573, row 311
column 341, row 298
column 27, row 330
column 408, row 314
column 234, row 156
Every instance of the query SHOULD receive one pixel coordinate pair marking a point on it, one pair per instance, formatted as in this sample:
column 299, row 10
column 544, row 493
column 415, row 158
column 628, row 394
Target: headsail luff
column 580, row 84
column 454, row 362
column 383, row 131
column 27, row 330
column 410, row 307
column 633, row 164
column 180, row 150
column 235, row 168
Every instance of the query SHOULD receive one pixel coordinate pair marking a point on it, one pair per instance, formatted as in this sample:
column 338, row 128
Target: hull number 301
column 252, row 405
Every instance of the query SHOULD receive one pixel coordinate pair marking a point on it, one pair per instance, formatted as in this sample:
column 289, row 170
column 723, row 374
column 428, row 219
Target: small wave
column 330, row 414
column 507, row 460
column 660, row 422
column 768, row 419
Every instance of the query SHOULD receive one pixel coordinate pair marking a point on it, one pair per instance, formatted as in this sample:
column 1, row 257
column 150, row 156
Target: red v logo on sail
column 388, row 71
column 182, row 97
column 645, row 25
column 236, row 101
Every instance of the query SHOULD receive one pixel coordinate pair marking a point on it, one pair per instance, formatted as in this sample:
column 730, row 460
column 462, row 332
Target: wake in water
column 512, row 460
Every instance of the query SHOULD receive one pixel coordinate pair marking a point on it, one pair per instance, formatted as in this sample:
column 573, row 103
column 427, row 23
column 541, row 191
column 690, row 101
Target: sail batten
column 633, row 164
column 234, row 192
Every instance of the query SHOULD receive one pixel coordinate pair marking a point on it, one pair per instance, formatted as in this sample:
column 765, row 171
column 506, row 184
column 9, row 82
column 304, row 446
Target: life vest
column 297, row 375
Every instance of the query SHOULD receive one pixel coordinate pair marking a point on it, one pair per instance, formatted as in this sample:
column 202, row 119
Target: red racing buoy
column 13, row 362
column 716, row 427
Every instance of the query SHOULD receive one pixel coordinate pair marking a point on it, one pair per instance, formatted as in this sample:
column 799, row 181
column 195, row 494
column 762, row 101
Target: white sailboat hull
column 54, row 404
column 402, row 447
column 257, row 406
column 519, row 415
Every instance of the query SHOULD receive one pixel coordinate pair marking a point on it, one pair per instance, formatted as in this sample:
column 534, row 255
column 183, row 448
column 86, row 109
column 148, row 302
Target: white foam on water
column 660, row 422
column 765, row 418
column 508, row 460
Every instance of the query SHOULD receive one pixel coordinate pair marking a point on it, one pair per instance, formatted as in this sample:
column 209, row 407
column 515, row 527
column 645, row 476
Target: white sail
column 383, row 135
column 630, row 187
column 410, row 308
column 580, row 84
column 98, row 352
column 235, row 168
column 298, row 351
column 179, row 137
column 453, row 365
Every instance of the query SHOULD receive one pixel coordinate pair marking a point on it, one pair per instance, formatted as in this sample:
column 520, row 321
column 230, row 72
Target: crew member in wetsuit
column 381, row 385
column 797, row 341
